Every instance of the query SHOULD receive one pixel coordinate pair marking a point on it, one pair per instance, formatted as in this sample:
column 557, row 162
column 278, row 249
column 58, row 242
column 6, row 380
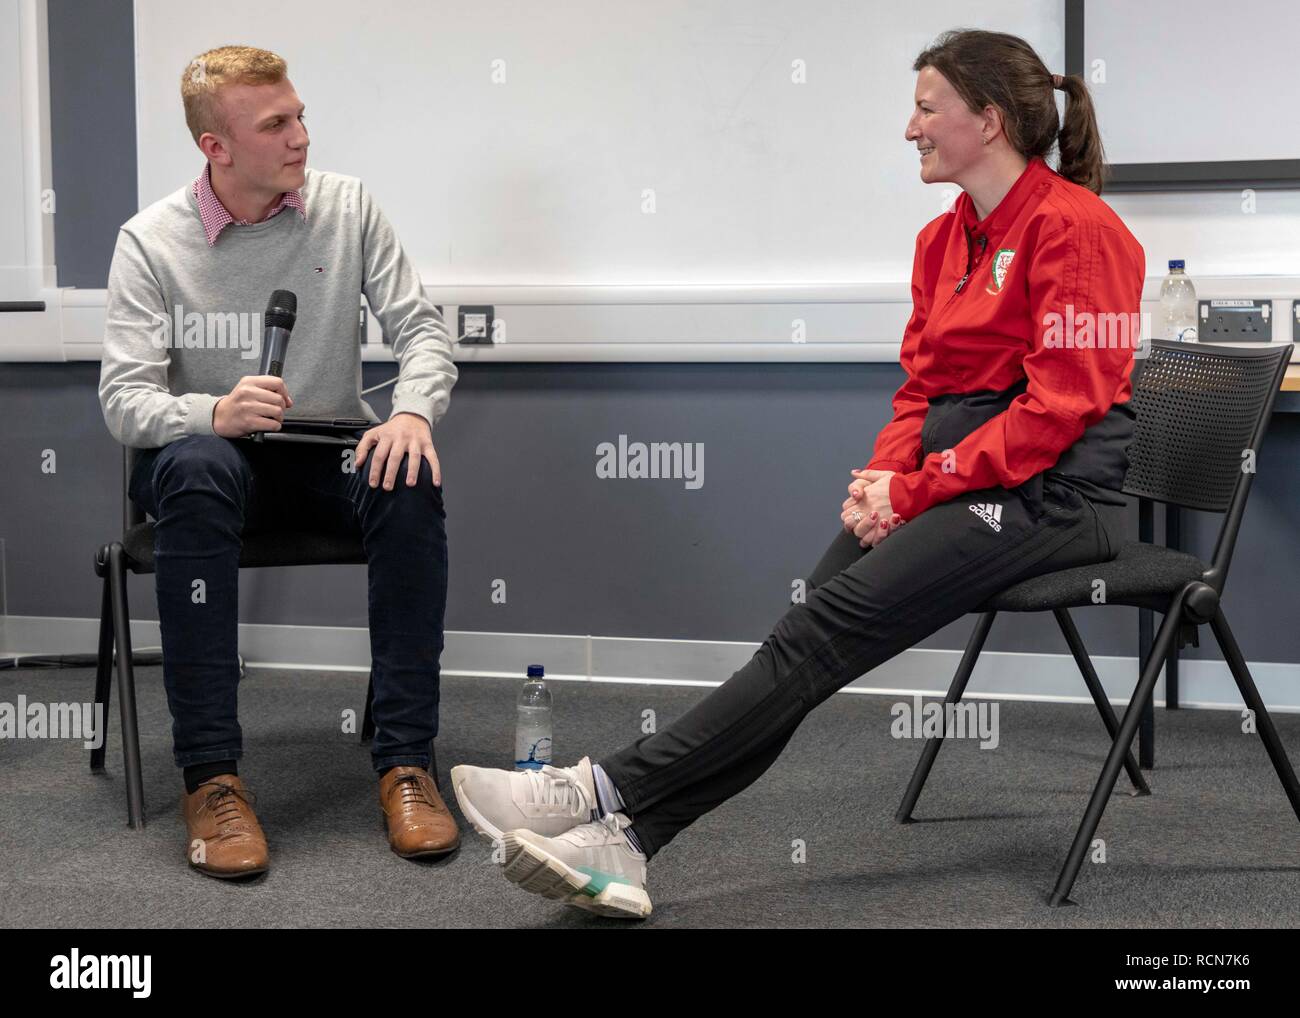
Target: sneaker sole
column 537, row 871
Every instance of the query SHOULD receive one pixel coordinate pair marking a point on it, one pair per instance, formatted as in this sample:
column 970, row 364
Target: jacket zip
column 969, row 269
column 969, row 266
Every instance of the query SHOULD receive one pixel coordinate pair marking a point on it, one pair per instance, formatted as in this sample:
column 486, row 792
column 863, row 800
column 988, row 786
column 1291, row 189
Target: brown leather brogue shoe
column 418, row 821
column 225, row 839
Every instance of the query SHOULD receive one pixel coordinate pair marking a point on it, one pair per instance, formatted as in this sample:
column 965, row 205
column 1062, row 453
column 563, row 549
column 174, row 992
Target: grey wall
column 578, row 554
column 92, row 129
column 582, row 555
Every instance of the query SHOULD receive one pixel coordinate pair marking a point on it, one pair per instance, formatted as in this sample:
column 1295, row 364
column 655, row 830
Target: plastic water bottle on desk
column 1177, row 305
column 533, row 722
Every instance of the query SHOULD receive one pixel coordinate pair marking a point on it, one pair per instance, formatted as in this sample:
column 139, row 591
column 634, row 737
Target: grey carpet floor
column 1216, row 844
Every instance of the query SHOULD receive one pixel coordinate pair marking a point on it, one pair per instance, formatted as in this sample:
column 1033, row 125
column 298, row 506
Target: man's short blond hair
column 209, row 72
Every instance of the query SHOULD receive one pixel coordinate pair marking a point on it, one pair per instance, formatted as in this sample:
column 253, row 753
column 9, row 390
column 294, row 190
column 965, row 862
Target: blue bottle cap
column 536, row 671
column 1176, row 263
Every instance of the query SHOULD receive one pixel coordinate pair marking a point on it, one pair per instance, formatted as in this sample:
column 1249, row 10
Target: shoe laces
column 561, row 788
column 610, row 821
column 414, row 791
column 601, row 830
column 223, row 801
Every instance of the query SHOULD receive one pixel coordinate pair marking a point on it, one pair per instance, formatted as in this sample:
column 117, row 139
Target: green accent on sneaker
column 599, row 880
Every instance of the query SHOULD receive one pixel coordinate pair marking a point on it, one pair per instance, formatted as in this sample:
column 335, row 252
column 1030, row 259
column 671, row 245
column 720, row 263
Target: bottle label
column 532, row 753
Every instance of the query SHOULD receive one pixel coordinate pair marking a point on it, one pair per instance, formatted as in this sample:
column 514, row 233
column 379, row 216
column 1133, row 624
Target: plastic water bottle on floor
column 1177, row 305
column 533, row 722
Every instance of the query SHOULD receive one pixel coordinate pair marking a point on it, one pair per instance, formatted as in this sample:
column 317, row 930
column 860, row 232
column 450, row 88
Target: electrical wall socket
column 1243, row 320
column 475, row 322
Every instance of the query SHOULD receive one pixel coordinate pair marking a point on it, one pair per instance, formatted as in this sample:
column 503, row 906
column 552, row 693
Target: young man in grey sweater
column 180, row 381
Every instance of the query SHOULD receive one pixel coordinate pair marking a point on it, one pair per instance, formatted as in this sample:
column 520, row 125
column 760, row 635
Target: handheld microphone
column 277, row 324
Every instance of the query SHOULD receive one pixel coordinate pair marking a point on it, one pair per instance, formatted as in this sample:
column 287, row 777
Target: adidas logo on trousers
column 990, row 513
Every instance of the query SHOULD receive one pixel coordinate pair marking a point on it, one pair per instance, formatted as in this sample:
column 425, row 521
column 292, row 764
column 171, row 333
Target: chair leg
column 1115, row 759
column 1147, row 729
column 103, row 674
column 931, row 749
column 126, row 686
column 1263, row 722
column 1093, row 683
column 368, row 718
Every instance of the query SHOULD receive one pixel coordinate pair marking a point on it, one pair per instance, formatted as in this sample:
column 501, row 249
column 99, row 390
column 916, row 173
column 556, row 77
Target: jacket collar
column 1022, row 191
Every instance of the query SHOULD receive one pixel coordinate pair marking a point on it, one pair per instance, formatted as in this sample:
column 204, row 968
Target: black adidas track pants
column 862, row 608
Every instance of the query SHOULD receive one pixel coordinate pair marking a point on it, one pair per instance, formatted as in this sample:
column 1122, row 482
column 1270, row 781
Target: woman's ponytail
column 1082, row 158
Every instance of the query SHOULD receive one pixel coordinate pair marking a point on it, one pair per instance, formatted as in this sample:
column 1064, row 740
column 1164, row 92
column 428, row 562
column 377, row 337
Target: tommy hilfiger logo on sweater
column 990, row 513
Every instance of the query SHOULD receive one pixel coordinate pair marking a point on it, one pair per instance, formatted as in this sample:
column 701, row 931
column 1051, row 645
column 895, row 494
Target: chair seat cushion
column 262, row 548
column 1144, row 575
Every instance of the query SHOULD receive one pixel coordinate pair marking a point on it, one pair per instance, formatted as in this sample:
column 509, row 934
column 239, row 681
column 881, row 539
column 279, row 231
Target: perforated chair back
column 1199, row 408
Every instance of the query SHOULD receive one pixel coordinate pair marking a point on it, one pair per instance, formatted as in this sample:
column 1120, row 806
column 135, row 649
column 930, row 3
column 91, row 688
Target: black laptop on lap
column 320, row 430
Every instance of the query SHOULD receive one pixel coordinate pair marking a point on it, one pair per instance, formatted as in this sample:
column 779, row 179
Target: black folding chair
column 1202, row 411
column 134, row 553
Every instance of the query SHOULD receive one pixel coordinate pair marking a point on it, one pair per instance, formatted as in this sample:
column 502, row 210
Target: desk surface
column 1291, row 383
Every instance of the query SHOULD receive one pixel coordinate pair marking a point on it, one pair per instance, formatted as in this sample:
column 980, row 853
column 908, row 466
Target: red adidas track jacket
column 1015, row 298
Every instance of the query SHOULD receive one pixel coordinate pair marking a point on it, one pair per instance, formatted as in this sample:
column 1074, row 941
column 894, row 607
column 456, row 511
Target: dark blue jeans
column 205, row 492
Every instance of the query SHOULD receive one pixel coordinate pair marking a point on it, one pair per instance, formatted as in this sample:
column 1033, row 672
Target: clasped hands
column 867, row 514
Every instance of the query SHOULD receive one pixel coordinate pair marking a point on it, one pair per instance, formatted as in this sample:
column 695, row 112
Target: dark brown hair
column 996, row 69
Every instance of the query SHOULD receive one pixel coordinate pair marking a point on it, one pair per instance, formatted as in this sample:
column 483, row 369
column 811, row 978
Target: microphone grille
column 281, row 309
column 284, row 300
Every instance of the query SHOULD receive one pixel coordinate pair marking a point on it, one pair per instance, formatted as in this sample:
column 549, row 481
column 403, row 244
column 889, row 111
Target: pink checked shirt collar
column 216, row 218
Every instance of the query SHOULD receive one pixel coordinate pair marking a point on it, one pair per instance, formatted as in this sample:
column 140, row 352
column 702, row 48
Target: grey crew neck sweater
column 185, row 319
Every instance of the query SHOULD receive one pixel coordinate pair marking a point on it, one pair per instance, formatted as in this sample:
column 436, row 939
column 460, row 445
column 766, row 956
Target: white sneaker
column 591, row 866
column 549, row 801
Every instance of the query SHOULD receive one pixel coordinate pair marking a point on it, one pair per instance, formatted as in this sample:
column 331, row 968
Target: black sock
column 196, row 774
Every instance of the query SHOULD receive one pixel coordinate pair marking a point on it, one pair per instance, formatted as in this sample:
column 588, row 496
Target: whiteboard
column 541, row 180
column 1194, row 80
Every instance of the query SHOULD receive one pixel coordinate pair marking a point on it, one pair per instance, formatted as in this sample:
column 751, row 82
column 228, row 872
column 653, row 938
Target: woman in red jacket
column 1002, row 461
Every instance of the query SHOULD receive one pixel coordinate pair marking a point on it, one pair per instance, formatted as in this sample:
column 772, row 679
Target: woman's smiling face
column 946, row 133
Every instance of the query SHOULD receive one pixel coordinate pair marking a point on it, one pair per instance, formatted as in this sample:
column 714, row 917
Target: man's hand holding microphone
column 256, row 403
